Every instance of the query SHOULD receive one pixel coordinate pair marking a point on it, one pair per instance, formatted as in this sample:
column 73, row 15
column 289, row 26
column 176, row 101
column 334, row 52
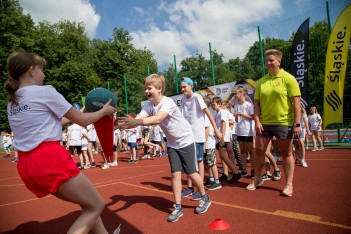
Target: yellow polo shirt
column 274, row 95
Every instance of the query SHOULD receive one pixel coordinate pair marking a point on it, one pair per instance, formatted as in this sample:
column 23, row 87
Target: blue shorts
column 132, row 144
column 199, row 151
column 7, row 147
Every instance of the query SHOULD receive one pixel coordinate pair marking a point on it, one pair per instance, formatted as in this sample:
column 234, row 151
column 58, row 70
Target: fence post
column 125, row 92
column 261, row 51
column 212, row 66
column 176, row 74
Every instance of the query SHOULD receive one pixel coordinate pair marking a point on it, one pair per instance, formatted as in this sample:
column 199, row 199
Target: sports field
column 138, row 196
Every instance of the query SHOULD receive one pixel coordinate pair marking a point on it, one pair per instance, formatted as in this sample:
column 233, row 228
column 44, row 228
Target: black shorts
column 279, row 131
column 244, row 138
column 223, row 146
column 78, row 148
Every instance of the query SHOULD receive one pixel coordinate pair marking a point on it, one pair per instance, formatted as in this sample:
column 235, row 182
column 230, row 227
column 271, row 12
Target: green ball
column 97, row 98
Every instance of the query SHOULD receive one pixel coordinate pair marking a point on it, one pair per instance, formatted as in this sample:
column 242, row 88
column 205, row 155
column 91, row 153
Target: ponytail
column 11, row 85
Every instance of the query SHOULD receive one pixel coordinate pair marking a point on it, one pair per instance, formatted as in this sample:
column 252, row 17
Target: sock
column 204, row 196
column 191, row 188
column 178, row 206
column 216, row 181
column 211, row 178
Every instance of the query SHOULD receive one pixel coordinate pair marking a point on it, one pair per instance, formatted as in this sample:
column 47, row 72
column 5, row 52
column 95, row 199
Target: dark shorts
column 157, row 142
column 223, row 146
column 279, row 131
column 44, row 169
column 93, row 143
column 183, row 159
column 78, row 148
column 132, row 144
column 244, row 138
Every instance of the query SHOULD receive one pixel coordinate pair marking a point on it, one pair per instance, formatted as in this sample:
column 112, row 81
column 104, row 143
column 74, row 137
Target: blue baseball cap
column 76, row 105
column 187, row 80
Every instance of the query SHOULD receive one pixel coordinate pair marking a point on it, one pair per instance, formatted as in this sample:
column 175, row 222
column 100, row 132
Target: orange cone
column 218, row 224
column 104, row 130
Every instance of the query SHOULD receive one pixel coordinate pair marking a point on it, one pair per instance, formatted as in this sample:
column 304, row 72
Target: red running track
column 139, row 197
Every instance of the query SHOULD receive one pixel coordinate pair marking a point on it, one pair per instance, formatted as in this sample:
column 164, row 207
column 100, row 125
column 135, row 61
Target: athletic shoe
column 130, row 161
column 105, row 166
column 314, row 149
column 276, row 175
column 113, row 164
column 93, row 164
column 244, row 173
column 15, row 160
column 214, row 186
column 188, row 191
column 164, row 152
column 204, row 204
column 266, row 177
column 303, row 163
column 256, row 182
column 208, row 182
column 146, row 156
column 135, row 161
column 86, row 167
column 235, row 178
column 196, row 196
column 320, row 148
column 117, row 230
column 223, row 177
column 306, row 146
column 288, row 190
column 80, row 167
column 175, row 215
column 7, row 156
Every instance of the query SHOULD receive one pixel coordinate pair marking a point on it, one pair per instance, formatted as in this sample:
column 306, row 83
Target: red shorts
column 44, row 169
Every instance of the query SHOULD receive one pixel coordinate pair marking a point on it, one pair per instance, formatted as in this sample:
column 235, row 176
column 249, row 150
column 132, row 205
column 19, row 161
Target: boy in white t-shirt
column 180, row 140
column 132, row 136
column 194, row 111
column 74, row 139
column 7, row 141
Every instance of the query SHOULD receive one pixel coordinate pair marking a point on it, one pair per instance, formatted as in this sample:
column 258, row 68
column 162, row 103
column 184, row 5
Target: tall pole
column 148, row 70
column 125, row 92
column 261, row 51
column 176, row 74
column 212, row 66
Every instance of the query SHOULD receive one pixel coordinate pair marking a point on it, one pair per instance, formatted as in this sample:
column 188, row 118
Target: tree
column 16, row 33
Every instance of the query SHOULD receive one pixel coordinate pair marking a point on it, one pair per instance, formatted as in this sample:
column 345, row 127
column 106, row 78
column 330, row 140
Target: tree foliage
column 76, row 64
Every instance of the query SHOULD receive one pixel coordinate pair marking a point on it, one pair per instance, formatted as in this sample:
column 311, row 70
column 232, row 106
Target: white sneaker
column 306, row 146
column 105, row 166
column 114, row 164
column 320, row 148
column 303, row 163
column 314, row 149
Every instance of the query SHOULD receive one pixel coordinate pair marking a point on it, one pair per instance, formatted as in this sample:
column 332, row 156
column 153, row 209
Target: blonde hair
column 274, row 52
column 156, row 80
column 19, row 63
column 315, row 108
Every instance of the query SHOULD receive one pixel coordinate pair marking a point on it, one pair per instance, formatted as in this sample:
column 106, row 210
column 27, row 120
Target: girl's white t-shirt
column 132, row 135
column 91, row 132
column 156, row 134
column 211, row 139
column 175, row 126
column 75, row 132
column 84, row 140
column 193, row 111
column 314, row 121
column 37, row 117
column 118, row 133
column 222, row 115
column 244, row 125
